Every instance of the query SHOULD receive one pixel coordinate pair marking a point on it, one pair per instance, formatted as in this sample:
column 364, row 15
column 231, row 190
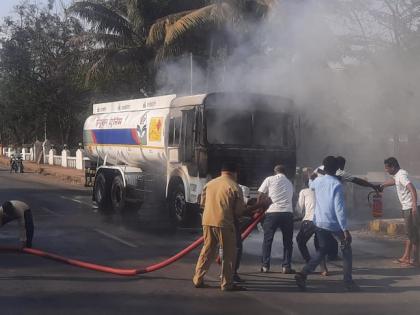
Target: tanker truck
column 167, row 148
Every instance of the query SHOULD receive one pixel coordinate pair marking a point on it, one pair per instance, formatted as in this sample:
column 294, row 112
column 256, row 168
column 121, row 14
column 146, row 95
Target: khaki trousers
column 215, row 238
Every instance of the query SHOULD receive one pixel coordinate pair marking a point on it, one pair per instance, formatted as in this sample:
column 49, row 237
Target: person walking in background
column 20, row 211
column 306, row 205
column 331, row 222
column 407, row 195
column 222, row 201
column 279, row 215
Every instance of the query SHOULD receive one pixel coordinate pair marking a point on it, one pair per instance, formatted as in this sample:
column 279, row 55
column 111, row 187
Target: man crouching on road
column 330, row 221
column 222, row 200
column 20, row 211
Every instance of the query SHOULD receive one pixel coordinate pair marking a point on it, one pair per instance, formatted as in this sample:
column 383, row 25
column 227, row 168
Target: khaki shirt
column 222, row 200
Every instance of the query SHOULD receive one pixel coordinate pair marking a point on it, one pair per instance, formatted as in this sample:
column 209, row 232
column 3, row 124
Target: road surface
column 67, row 224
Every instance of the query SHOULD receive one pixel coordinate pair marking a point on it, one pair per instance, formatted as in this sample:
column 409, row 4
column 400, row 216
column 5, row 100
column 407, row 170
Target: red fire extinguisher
column 375, row 201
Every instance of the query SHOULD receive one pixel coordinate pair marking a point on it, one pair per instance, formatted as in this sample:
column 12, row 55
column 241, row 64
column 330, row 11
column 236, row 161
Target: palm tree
column 126, row 36
column 168, row 33
column 117, row 36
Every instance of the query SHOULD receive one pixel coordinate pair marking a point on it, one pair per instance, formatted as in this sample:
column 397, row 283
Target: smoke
column 352, row 80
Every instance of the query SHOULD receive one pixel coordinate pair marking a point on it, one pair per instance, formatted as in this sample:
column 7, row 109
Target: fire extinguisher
column 375, row 202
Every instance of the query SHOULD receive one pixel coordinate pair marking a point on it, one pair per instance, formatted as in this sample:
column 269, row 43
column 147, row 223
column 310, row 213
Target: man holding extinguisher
column 407, row 195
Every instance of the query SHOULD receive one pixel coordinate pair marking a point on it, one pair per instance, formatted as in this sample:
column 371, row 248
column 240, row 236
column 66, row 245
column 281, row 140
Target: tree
column 40, row 85
column 115, row 44
column 170, row 34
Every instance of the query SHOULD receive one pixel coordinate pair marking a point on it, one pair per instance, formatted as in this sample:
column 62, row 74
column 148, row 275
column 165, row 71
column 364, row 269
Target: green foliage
column 40, row 81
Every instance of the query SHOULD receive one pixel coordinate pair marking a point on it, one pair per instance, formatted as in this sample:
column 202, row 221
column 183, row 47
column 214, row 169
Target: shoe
column 288, row 271
column 352, row 286
column 265, row 269
column 238, row 279
column 235, row 287
column 300, row 279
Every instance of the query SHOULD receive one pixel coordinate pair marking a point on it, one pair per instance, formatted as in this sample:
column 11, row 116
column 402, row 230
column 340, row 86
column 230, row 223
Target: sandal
column 401, row 261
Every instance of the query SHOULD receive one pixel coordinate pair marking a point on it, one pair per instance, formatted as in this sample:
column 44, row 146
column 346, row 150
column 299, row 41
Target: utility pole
column 45, row 126
column 191, row 73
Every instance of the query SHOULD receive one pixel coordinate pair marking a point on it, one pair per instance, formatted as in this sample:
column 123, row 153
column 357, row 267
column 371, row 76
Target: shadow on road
column 317, row 284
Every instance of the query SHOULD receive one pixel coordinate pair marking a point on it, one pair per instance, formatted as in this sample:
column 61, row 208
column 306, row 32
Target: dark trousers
column 273, row 221
column 412, row 227
column 307, row 230
column 29, row 227
column 239, row 246
column 333, row 254
column 326, row 243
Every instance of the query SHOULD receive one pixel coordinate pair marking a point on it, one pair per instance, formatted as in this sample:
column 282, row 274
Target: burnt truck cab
column 256, row 131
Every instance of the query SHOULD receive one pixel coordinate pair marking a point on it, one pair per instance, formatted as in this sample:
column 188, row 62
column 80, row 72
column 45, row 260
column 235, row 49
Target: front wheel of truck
column 177, row 204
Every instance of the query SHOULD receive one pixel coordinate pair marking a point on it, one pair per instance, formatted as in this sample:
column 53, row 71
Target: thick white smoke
column 354, row 83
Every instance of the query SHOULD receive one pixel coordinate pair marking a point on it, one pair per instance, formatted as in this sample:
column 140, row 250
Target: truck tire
column 177, row 204
column 102, row 192
column 118, row 199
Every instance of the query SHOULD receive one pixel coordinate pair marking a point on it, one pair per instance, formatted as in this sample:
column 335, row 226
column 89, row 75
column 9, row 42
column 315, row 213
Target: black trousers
column 273, row 221
column 239, row 246
column 307, row 230
column 29, row 227
column 240, row 225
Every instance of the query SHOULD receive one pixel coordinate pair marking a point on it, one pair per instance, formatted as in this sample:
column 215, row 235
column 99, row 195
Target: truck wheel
column 177, row 204
column 118, row 200
column 101, row 192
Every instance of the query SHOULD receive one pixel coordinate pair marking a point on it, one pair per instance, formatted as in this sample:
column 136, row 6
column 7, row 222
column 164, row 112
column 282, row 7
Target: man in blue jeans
column 279, row 215
column 331, row 223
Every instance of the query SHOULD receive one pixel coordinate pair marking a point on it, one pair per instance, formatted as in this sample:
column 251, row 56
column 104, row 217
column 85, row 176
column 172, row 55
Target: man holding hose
column 222, row 201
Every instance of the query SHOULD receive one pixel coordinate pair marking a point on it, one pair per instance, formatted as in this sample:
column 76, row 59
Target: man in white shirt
column 306, row 205
column 279, row 215
column 407, row 195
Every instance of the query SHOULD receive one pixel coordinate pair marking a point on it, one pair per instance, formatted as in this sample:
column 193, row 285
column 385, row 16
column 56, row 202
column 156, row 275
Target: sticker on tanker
column 155, row 129
column 142, row 130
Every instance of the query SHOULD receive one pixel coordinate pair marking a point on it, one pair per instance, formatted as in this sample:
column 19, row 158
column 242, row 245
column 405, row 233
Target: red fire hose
column 128, row 272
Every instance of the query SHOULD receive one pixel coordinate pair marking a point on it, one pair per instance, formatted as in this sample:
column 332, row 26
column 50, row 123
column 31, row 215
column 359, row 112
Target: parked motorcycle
column 16, row 164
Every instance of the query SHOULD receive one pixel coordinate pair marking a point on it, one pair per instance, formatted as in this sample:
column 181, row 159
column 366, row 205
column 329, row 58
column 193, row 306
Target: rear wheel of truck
column 118, row 199
column 177, row 204
column 102, row 193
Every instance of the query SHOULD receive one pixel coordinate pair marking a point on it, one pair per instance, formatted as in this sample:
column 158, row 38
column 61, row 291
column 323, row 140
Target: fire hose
column 128, row 272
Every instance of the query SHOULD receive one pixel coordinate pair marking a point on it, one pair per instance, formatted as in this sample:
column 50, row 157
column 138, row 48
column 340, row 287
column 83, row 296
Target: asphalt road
column 67, row 225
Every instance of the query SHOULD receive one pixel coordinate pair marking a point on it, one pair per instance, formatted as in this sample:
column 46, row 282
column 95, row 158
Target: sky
column 6, row 6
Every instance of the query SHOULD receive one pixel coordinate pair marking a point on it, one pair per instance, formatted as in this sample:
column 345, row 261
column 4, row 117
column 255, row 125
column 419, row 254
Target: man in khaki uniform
column 222, row 200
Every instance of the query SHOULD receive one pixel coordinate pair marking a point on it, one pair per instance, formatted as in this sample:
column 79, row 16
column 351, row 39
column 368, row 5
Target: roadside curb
column 391, row 227
column 72, row 176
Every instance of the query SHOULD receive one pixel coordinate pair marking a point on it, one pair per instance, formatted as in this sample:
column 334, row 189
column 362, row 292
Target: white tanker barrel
column 134, row 138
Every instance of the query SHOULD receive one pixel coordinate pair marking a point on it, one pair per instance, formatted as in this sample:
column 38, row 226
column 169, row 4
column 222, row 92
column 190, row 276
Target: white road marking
column 76, row 200
column 115, row 238
column 50, row 211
